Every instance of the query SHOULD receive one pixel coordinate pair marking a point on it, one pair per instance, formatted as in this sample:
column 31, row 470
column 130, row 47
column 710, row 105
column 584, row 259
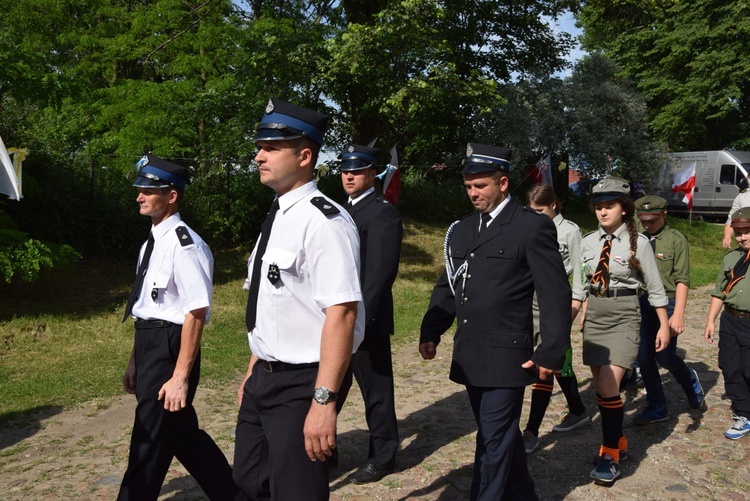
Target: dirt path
column 81, row 453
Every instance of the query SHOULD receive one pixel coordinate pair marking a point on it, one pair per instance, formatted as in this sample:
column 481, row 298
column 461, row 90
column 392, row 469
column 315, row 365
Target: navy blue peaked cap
column 155, row 172
column 486, row 158
column 284, row 121
column 358, row 157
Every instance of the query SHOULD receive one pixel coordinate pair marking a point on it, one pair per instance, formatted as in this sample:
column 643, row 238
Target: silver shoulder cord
column 452, row 275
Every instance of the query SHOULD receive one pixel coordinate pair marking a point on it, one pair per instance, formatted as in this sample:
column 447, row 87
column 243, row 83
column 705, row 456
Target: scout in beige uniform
column 672, row 259
column 616, row 262
column 542, row 199
column 733, row 293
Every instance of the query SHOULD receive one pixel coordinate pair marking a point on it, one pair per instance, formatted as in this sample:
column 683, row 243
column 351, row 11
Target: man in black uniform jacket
column 495, row 259
column 380, row 233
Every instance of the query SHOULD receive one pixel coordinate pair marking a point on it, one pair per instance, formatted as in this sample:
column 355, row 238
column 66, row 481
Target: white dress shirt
column 318, row 260
column 179, row 277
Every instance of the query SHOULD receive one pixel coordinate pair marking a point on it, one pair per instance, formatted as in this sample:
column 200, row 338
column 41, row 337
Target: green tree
column 691, row 59
column 593, row 119
column 417, row 72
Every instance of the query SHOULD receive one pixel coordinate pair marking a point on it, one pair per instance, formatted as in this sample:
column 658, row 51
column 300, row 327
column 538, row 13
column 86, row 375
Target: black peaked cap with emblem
column 358, row 157
column 285, row 121
column 155, row 172
column 486, row 158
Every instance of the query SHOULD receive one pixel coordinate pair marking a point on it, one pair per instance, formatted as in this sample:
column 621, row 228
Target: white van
column 719, row 177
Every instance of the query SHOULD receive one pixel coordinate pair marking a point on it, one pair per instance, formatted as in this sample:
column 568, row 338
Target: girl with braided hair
column 616, row 263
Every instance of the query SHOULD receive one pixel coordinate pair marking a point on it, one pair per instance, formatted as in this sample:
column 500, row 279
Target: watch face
column 322, row 394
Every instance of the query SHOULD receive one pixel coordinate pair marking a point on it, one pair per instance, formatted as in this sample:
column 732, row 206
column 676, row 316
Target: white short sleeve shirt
column 317, row 256
column 179, row 277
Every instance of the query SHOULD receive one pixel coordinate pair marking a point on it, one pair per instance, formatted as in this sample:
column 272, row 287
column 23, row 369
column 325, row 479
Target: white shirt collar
column 162, row 228
column 290, row 198
column 354, row 201
column 496, row 211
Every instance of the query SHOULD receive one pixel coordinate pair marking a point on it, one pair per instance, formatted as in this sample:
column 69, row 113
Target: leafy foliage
column 691, row 59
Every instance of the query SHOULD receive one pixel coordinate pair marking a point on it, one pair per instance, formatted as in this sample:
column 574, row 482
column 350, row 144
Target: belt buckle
column 600, row 292
column 267, row 366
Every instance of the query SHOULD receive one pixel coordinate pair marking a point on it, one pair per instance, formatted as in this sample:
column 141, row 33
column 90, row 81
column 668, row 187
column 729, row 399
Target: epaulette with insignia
column 325, row 206
column 183, row 235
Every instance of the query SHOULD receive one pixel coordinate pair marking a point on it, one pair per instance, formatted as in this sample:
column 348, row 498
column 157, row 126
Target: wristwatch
column 323, row 395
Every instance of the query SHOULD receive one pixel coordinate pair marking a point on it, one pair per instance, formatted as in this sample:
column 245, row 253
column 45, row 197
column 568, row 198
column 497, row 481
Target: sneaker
column 623, row 457
column 606, row 471
column 571, row 422
column 739, row 429
column 530, row 442
column 652, row 414
column 695, row 394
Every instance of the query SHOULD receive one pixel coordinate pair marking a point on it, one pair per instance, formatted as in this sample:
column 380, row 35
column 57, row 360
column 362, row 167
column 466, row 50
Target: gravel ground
column 81, row 453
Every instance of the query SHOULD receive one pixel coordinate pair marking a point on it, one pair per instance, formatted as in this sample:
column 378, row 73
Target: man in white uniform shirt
column 171, row 302
column 304, row 318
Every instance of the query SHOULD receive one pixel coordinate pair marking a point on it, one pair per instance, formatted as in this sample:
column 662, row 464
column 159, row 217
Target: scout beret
column 609, row 189
column 741, row 218
column 284, row 121
column 650, row 207
column 486, row 158
column 155, row 172
column 358, row 157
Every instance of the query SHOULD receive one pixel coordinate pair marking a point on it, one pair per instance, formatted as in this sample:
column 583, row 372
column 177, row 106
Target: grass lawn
column 63, row 342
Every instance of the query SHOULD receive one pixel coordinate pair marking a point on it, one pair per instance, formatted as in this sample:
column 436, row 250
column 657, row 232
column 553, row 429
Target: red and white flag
column 684, row 182
column 391, row 178
column 542, row 171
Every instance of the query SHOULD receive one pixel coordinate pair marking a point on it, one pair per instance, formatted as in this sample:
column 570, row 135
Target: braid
column 633, row 232
column 629, row 208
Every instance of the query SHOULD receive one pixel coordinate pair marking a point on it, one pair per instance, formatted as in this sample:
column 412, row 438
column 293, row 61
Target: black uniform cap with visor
column 285, row 121
column 486, row 158
column 358, row 157
column 155, row 172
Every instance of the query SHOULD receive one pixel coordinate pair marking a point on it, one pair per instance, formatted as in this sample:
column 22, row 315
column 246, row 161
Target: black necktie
column 252, row 299
column 601, row 275
column 486, row 218
column 138, row 283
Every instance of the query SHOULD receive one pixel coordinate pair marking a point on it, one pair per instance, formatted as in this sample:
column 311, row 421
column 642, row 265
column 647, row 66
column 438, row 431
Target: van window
column 727, row 174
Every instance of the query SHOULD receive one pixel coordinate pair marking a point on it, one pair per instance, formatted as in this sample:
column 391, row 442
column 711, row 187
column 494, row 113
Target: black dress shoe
column 369, row 473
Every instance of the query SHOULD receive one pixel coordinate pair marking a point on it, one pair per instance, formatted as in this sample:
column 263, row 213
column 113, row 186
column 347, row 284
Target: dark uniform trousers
column 734, row 361
column 160, row 435
column 380, row 233
column 500, row 458
column 373, row 369
column 269, row 454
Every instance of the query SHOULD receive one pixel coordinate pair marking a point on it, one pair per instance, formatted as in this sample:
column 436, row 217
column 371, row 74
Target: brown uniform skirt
column 611, row 331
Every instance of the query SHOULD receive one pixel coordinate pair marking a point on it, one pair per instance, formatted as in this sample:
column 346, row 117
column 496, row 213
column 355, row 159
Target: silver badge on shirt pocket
column 273, row 273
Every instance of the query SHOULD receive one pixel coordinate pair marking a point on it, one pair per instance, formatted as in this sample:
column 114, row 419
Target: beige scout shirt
column 621, row 275
column 569, row 240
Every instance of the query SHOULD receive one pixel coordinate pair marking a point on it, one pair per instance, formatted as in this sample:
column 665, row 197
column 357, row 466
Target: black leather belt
column 281, row 366
column 152, row 324
column 621, row 292
column 735, row 312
